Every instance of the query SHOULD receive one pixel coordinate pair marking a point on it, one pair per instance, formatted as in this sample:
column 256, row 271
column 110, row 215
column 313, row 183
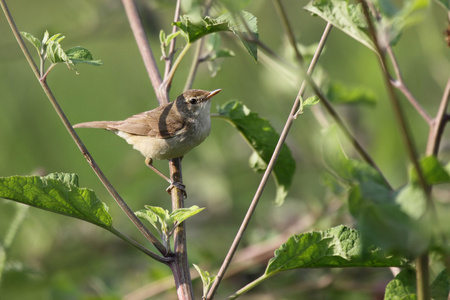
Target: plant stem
column 438, row 124
column 144, row 230
column 172, row 43
column 168, row 79
column 250, row 286
column 264, row 180
column 165, row 260
column 288, row 28
column 145, row 50
column 179, row 264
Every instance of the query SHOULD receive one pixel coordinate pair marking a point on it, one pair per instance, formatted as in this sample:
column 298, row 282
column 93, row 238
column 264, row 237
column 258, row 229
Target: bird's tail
column 96, row 124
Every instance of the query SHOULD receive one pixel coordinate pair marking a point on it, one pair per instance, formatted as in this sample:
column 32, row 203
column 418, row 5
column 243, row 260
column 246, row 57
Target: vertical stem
column 422, row 278
column 180, row 264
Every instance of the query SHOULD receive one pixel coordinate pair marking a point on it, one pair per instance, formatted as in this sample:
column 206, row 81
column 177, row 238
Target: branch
column 171, row 53
column 438, row 124
column 145, row 50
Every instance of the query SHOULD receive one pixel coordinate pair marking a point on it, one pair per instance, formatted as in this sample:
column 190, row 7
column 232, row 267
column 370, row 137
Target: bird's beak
column 212, row 93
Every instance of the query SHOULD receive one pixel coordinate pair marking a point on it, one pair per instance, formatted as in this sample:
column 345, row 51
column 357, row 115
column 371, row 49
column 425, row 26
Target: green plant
column 396, row 227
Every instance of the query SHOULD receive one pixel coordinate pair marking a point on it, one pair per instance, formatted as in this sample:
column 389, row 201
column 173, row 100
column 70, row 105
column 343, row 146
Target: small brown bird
column 168, row 131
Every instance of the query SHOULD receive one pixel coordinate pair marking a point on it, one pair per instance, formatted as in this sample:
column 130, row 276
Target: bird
column 166, row 132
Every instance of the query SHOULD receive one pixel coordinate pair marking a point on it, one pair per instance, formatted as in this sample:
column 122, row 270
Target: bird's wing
column 155, row 123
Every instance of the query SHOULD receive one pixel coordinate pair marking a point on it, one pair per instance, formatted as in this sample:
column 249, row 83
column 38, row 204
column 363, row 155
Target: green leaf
column 263, row 138
column 163, row 221
column 58, row 193
column 350, row 19
column 347, row 17
column 444, row 3
column 433, row 171
column 82, row 55
column 181, row 214
column 213, row 46
column 340, row 94
column 350, row 172
column 33, row 40
column 245, row 26
column 385, row 218
column 403, row 286
column 335, row 247
column 194, row 31
column 55, row 54
column 382, row 222
column 207, row 280
column 440, row 287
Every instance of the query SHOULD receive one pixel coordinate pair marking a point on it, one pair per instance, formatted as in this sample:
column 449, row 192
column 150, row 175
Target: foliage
column 395, row 224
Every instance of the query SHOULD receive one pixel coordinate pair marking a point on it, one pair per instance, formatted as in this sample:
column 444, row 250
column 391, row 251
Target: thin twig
column 145, row 50
column 144, row 230
column 264, row 180
column 288, row 28
column 171, row 53
column 438, row 124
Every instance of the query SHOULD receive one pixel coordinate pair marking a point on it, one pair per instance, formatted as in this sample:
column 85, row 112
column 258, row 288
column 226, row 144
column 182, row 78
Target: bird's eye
column 192, row 100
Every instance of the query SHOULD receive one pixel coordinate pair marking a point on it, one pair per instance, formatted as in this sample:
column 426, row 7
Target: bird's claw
column 177, row 185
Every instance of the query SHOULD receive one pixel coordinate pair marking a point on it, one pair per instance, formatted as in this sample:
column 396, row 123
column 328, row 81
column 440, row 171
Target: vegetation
column 357, row 207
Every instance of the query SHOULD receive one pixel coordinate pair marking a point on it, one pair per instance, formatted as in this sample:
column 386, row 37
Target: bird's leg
column 178, row 185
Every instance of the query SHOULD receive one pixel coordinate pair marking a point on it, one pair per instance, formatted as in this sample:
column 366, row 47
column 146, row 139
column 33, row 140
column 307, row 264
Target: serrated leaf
column 207, row 279
column 194, row 31
column 340, row 94
column 345, row 16
column 58, row 193
column 245, row 26
column 335, row 247
column 79, row 55
column 33, row 40
column 403, row 286
column 350, row 19
column 263, row 138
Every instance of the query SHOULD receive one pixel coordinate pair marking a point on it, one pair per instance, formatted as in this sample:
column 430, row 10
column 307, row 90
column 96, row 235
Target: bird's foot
column 177, row 185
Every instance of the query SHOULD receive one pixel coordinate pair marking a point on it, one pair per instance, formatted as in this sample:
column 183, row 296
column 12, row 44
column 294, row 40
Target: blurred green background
column 55, row 257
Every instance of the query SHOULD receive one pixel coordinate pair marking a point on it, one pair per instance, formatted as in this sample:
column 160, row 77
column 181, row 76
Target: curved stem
column 145, row 50
column 168, row 80
column 165, row 260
